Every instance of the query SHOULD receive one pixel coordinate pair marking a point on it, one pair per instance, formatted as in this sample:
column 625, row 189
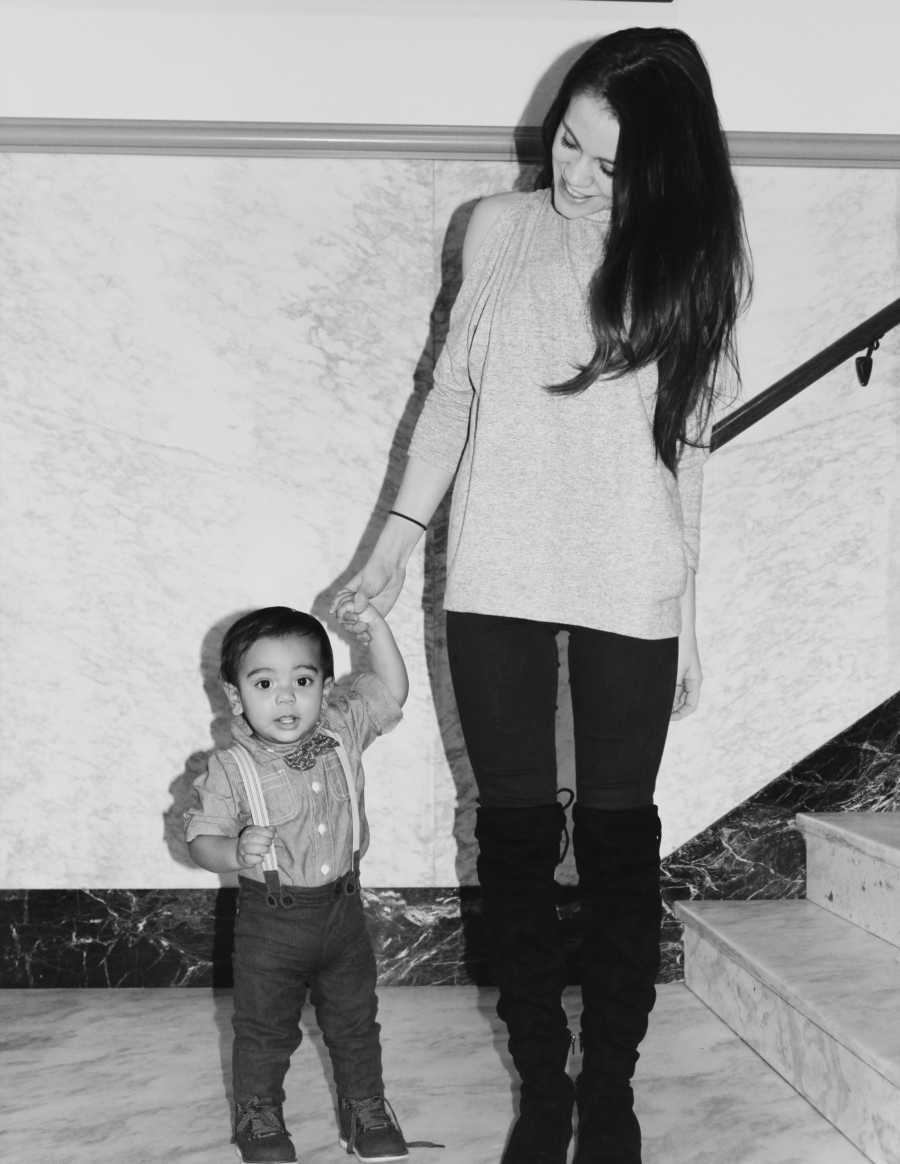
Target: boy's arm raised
column 385, row 659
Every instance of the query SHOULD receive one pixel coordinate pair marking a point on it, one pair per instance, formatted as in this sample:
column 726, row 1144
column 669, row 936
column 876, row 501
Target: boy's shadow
column 183, row 798
column 181, row 788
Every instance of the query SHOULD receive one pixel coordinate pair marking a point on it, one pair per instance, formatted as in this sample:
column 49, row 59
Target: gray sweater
column 561, row 511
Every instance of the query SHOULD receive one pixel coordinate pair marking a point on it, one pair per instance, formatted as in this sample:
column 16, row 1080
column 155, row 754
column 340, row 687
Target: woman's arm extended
column 437, row 443
column 381, row 578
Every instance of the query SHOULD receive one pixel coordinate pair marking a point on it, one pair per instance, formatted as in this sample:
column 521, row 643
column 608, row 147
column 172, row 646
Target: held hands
column 253, row 844
column 356, row 613
column 377, row 582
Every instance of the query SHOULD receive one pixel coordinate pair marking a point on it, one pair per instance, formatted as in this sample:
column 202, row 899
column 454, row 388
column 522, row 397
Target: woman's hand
column 690, row 677
column 377, row 582
column 690, row 674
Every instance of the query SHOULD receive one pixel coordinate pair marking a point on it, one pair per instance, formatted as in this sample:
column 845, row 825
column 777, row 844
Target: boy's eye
column 263, row 684
column 303, row 681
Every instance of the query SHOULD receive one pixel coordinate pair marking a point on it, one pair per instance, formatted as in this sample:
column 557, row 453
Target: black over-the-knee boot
column 519, row 851
column 617, row 856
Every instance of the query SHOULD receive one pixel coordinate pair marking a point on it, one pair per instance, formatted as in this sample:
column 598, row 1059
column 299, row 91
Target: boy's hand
column 253, row 844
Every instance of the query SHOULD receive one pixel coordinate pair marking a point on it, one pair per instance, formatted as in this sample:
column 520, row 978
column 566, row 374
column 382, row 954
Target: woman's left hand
column 690, row 677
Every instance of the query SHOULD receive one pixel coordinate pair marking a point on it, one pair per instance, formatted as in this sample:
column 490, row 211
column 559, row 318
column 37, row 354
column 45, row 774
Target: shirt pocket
column 335, row 780
column 281, row 795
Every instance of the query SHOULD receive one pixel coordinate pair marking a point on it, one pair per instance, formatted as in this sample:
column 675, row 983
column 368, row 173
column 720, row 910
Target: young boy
column 302, row 925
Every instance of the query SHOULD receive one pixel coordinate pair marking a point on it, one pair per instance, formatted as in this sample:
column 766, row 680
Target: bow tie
column 306, row 753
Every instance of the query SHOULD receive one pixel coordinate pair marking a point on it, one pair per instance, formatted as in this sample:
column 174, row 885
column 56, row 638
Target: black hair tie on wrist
column 406, row 517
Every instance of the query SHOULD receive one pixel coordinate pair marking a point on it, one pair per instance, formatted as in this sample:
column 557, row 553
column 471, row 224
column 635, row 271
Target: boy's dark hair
column 271, row 622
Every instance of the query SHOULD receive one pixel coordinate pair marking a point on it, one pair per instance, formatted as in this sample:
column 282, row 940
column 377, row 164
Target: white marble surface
column 877, row 834
column 826, row 256
column 816, row 998
column 853, row 868
column 841, row 978
column 205, row 363
column 208, row 367
column 94, row 1077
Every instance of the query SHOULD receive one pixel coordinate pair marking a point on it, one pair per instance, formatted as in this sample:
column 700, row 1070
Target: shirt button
column 316, row 786
column 322, row 830
column 326, row 869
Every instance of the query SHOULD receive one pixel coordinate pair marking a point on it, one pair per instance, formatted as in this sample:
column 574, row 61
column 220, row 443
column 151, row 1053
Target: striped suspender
column 354, row 806
column 259, row 815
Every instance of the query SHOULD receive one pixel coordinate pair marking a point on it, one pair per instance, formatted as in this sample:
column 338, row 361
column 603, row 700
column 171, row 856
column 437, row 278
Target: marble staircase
column 813, row 985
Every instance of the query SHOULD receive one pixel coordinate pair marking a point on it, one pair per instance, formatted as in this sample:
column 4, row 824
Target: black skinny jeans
column 505, row 676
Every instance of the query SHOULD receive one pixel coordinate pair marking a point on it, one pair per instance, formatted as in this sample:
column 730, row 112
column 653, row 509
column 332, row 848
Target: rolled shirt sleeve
column 218, row 813
column 364, row 707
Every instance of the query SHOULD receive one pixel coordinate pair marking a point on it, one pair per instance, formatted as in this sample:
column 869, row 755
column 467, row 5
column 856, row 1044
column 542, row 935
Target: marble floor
column 103, row 1076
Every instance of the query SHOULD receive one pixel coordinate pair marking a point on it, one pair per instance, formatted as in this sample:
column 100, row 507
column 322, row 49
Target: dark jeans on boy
column 318, row 945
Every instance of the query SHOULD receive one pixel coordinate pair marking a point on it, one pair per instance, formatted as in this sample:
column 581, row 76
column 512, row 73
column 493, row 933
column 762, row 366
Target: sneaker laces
column 372, row 1113
column 376, row 1112
column 263, row 1120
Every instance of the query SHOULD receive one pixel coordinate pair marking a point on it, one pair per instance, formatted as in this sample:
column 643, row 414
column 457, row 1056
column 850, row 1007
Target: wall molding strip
column 450, row 142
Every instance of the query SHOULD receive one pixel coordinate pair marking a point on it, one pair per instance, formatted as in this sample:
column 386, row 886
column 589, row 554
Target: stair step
column 815, row 996
column 853, row 867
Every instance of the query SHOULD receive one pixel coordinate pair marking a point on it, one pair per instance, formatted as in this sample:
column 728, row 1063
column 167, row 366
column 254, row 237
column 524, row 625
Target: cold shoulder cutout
column 487, row 212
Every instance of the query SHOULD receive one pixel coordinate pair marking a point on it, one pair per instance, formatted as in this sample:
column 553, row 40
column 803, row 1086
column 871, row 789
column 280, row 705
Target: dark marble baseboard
column 156, row 937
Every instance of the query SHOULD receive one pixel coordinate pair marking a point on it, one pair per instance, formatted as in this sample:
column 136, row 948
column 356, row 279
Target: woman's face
column 584, row 150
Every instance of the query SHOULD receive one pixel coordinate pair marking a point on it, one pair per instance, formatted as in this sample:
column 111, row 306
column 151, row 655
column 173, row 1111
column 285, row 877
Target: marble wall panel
column 211, row 368
column 206, row 364
column 826, row 253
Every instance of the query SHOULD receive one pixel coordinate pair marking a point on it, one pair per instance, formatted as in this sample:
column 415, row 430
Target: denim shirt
column 310, row 808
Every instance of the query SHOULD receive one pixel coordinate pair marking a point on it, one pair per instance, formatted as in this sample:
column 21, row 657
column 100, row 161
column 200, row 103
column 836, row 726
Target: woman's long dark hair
column 676, row 272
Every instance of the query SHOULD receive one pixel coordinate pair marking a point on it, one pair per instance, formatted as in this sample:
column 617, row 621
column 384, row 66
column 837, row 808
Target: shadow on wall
column 433, row 623
column 435, row 559
column 181, row 788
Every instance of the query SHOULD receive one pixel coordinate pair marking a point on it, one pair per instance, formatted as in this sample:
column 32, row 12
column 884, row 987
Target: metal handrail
column 866, row 335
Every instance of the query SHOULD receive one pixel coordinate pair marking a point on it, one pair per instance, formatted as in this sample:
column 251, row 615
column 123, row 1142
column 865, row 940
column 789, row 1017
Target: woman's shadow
column 531, row 174
column 473, row 945
column 212, row 958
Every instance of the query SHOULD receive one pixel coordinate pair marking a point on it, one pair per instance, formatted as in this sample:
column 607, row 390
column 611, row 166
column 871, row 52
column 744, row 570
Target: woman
column 570, row 401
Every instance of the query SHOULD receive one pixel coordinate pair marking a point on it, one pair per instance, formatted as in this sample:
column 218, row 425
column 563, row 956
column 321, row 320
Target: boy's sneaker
column 370, row 1131
column 260, row 1135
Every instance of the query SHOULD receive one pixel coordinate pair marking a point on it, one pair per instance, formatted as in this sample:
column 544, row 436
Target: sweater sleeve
column 691, row 462
column 443, row 425
column 690, row 490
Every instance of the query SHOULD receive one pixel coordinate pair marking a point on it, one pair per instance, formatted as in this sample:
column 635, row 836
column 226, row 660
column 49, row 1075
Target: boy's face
column 280, row 688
